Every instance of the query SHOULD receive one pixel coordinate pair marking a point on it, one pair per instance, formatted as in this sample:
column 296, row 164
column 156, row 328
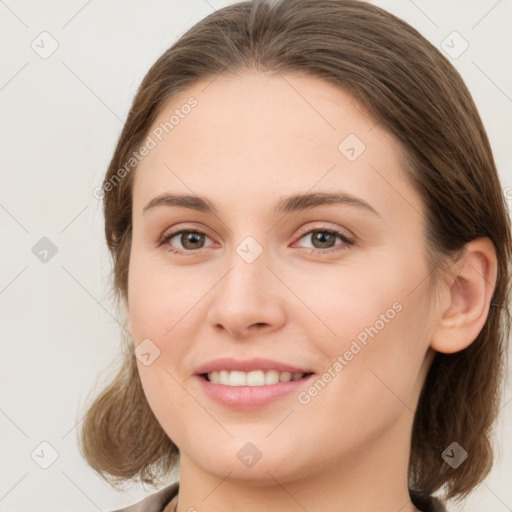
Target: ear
column 467, row 295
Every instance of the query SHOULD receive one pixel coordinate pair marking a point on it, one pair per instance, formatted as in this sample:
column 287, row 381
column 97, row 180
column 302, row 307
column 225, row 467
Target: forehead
column 254, row 133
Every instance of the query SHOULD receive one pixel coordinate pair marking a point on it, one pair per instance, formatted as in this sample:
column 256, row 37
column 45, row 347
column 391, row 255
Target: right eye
column 190, row 240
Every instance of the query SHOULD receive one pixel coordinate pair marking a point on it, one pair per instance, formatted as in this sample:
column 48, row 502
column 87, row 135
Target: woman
column 312, row 251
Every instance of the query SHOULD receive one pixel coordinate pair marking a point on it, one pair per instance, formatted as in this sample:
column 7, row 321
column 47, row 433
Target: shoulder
column 155, row 502
column 426, row 503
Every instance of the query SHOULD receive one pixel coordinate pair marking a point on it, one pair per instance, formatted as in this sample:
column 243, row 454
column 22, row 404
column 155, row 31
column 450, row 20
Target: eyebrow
column 293, row 203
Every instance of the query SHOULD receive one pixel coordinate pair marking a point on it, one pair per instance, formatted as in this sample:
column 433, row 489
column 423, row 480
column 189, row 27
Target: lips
column 252, row 383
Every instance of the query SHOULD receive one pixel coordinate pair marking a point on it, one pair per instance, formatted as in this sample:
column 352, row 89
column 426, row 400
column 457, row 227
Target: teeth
column 254, row 378
column 237, row 378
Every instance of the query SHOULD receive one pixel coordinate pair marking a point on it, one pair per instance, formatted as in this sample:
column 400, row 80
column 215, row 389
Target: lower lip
column 250, row 397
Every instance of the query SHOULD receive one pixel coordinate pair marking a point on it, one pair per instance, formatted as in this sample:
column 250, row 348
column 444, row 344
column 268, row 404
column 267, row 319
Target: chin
column 257, row 463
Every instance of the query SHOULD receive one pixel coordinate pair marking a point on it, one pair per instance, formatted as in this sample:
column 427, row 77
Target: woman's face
column 273, row 167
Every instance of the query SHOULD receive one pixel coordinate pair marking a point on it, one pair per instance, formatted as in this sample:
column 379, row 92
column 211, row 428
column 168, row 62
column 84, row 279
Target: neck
column 370, row 478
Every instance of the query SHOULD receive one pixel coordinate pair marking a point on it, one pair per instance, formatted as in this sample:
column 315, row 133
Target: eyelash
column 346, row 241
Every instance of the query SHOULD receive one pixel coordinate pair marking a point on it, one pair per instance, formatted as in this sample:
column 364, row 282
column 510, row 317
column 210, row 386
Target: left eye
column 321, row 239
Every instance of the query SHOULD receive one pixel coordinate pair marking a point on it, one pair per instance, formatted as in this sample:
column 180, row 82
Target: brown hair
column 413, row 91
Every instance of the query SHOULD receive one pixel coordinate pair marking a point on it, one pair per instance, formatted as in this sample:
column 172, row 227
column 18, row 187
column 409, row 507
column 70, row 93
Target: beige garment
column 155, row 502
column 158, row 501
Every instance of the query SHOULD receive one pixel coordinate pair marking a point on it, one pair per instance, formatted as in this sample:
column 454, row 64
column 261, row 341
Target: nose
column 249, row 300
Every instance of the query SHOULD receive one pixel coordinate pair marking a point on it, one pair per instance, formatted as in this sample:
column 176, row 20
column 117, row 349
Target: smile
column 252, row 378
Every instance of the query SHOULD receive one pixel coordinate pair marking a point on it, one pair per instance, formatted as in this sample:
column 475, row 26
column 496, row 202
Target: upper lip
column 248, row 365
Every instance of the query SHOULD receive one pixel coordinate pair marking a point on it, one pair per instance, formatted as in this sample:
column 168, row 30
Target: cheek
column 375, row 380
column 383, row 375
column 156, row 298
column 170, row 404
column 351, row 296
column 378, row 323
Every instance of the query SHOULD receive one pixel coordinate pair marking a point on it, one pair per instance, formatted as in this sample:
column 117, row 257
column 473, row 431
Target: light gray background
column 61, row 117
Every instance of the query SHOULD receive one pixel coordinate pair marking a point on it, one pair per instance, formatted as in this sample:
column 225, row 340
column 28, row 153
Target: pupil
column 191, row 238
column 324, row 238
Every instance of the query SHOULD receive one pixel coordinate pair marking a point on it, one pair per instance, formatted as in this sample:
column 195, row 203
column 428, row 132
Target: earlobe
column 470, row 292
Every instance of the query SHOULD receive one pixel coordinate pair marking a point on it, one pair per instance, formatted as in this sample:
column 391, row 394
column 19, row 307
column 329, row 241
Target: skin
column 251, row 140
